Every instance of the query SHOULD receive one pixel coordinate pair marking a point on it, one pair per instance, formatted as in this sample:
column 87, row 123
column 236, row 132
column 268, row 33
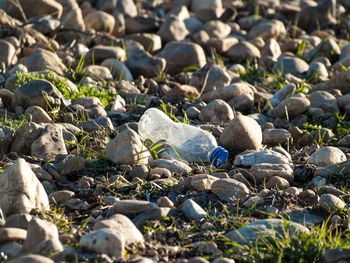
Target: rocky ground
column 268, row 78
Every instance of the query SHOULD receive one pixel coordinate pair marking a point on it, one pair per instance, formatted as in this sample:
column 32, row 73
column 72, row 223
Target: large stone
column 264, row 228
column 20, row 190
column 179, row 55
column 217, row 77
column 127, row 148
column 140, row 62
column 100, row 21
column 32, row 8
column 38, row 92
column 6, row 137
column 41, row 230
column 226, row 93
column 104, row 241
column 319, row 16
column 216, row 111
column 331, row 202
column 293, row 65
column 118, row 69
column 326, row 156
column 206, row 10
column 42, row 60
column 8, row 234
column 130, row 207
column 192, row 210
column 339, row 81
column 122, row 225
column 267, row 30
column 172, row 29
column 323, row 100
column 243, row 51
column 49, row 143
column 174, row 166
column 242, row 133
column 99, row 53
column 25, row 135
column 264, row 171
column 292, row 106
column 7, row 54
column 230, row 189
column 249, row 158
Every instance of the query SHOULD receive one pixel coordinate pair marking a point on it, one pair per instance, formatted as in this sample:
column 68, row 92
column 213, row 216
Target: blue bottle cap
column 218, row 156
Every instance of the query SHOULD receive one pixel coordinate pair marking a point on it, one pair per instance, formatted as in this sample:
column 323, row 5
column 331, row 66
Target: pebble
column 245, row 128
column 192, row 210
column 326, row 156
column 164, row 201
column 263, row 227
column 250, row 158
column 104, row 241
column 230, row 189
column 331, row 203
column 216, row 111
column 130, row 207
column 122, row 225
column 21, row 197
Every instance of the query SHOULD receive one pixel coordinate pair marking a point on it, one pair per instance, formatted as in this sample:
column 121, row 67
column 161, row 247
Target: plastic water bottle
column 190, row 142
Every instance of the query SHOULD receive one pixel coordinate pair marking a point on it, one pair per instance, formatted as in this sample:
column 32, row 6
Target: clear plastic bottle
column 191, row 143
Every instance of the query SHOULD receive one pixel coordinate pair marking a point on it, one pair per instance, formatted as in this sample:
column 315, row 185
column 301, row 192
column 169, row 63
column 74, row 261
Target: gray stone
column 150, row 42
column 326, row 156
column 122, row 225
column 217, row 29
column 174, row 166
column 267, row 30
column 8, row 53
column 282, row 94
column 207, row 10
column 179, row 55
column 264, row 171
column 172, row 29
column 104, row 241
column 130, row 207
column 246, row 129
column 70, row 164
column 292, row 106
column 25, row 135
column 277, row 182
column 192, row 210
column 276, row 136
column 49, row 143
column 118, row 69
column 331, row 202
column 304, row 217
column 141, row 62
column 37, row 115
column 99, row 124
column 11, row 249
column 20, row 190
column 216, row 111
column 243, row 51
column 249, row 158
column 98, row 73
column 100, row 21
column 100, row 53
column 61, row 196
column 230, row 189
column 153, row 214
column 37, row 92
column 293, row 65
column 217, row 77
column 226, row 93
column 6, row 137
column 8, row 234
column 18, row 220
column 42, row 60
column 40, row 230
column 324, row 100
column 127, row 148
column 263, row 228
column 319, row 16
